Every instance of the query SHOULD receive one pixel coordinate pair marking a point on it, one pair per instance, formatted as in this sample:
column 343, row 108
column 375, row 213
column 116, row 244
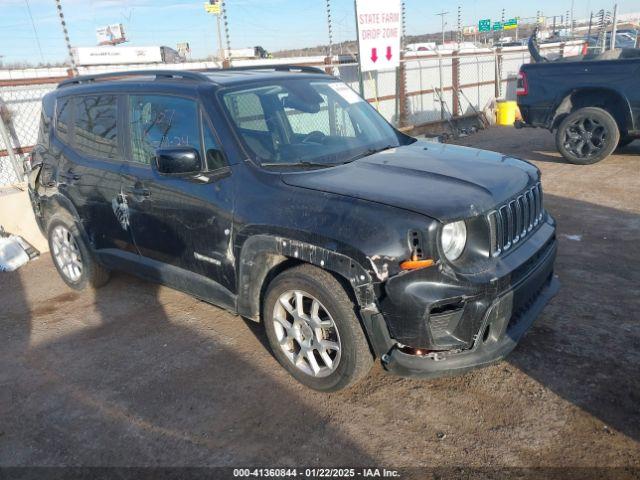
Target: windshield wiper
column 368, row 152
column 297, row 164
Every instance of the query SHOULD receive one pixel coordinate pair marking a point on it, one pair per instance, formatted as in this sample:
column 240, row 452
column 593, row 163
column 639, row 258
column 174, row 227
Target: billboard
column 111, row 34
column 110, row 55
column 470, row 30
column 213, row 7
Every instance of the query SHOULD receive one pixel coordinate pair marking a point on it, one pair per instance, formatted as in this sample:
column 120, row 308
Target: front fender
column 261, row 253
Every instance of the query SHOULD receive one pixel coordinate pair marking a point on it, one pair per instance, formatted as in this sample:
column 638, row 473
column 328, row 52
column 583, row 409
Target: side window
column 64, row 107
column 158, row 121
column 212, row 152
column 247, row 111
column 96, row 131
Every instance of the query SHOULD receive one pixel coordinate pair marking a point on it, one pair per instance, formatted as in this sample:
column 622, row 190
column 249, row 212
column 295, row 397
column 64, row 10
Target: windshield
column 308, row 122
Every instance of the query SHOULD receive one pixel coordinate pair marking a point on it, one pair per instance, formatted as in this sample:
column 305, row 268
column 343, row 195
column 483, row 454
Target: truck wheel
column 314, row 331
column 587, row 136
column 624, row 141
column 72, row 258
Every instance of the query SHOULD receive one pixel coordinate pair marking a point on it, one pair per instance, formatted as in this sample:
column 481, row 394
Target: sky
column 273, row 24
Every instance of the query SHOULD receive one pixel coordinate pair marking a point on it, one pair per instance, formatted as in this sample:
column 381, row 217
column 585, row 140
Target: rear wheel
column 314, row 331
column 71, row 257
column 587, row 136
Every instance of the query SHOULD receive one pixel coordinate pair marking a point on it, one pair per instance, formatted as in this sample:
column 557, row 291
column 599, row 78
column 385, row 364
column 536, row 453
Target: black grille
column 514, row 221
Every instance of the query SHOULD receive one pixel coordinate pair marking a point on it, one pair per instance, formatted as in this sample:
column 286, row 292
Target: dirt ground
column 136, row 375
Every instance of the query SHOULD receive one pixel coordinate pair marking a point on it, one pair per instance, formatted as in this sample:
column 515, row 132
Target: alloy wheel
column 66, row 253
column 585, row 137
column 306, row 333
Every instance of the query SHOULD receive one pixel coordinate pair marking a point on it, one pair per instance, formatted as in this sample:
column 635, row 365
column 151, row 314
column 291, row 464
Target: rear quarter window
column 64, row 111
column 96, row 125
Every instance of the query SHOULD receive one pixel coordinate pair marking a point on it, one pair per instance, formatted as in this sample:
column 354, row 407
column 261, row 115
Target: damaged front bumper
column 499, row 316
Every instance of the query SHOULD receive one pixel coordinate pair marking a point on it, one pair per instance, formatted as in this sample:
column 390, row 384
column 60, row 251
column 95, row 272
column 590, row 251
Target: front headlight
column 454, row 239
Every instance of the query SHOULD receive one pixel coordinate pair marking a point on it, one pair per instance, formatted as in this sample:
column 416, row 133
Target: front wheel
column 587, row 136
column 314, row 331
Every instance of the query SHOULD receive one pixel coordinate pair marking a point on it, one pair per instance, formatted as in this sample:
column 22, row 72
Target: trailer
column 120, row 55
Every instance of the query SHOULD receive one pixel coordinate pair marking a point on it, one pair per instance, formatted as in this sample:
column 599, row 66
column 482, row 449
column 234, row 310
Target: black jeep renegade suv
column 282, row 196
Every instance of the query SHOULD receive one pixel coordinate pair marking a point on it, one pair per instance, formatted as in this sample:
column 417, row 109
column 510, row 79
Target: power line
column 35, row 31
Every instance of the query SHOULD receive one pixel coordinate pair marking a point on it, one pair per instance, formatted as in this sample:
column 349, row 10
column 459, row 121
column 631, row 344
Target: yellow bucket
column 506, row 113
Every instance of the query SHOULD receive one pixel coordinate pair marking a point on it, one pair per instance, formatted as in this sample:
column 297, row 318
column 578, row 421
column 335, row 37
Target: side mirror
column 177, row 161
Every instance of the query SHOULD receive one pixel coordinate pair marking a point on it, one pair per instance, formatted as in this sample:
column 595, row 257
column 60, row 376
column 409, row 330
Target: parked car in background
column 624, row 39
column 591, row 102
column 281, row 195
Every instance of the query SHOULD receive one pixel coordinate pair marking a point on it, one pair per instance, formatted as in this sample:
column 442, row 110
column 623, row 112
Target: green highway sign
column 511, row 24
column 484, row 25
column 497, row 26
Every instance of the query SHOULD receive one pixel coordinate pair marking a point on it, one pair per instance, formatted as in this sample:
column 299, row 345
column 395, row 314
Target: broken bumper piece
column 504, row 324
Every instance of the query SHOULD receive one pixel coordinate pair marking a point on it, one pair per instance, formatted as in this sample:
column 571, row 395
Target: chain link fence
column 20, row 115
column 428, row 87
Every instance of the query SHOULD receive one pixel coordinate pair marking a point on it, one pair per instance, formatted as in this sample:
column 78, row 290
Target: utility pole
column 329, row 24
column 614, row 29
column 74, row 68
column 220, row 46
column 459, row 25
column 225, row 20
column 573, row 2
column 442, row 14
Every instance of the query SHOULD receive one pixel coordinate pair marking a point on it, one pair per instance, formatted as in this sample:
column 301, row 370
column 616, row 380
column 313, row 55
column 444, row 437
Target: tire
column 624, row 141
column 587, row 136
column 73, row 260
column 295, row 339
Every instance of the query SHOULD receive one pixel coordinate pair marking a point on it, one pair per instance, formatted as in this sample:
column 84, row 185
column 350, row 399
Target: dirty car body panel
column 222, row 233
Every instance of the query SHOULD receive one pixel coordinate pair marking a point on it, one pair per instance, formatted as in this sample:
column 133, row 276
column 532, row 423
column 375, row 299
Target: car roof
column 181, row 80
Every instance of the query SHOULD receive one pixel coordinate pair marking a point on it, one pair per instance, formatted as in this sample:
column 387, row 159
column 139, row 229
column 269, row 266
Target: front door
column 182, row 224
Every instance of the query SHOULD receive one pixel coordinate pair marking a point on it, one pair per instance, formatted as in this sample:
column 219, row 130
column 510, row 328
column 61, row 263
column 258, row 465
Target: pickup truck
column 591, row 102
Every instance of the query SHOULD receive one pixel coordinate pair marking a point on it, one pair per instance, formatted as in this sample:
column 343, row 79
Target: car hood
column 445, row 182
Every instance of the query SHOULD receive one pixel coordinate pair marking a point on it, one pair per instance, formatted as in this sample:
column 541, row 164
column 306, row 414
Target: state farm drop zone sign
column 379, row 32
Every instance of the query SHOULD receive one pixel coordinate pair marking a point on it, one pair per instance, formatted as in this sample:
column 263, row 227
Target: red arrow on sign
column 374, row 55
column 389, row 54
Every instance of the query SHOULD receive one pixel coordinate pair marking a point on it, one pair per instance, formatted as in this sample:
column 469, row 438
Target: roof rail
column 184, row 74
column 276, row 67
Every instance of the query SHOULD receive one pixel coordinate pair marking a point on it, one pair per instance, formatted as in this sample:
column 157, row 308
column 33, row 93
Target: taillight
column 585, row 48
column 522, row 86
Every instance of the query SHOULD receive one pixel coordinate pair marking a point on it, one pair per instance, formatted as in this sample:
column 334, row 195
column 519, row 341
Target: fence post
column 455, row 80
column 4, row 135
column 402, row 92
column 328, row 62
column 440, row 85
column 498, row 83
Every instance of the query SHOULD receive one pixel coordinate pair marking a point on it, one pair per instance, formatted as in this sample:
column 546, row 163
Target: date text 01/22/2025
column 315, row 473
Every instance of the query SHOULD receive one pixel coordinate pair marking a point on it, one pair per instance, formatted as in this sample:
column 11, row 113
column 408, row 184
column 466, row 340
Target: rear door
column 89, row 167
column 182, row 225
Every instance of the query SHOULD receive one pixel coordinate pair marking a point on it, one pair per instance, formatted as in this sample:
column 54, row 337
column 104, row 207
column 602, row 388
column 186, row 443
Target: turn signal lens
column 416, row 264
